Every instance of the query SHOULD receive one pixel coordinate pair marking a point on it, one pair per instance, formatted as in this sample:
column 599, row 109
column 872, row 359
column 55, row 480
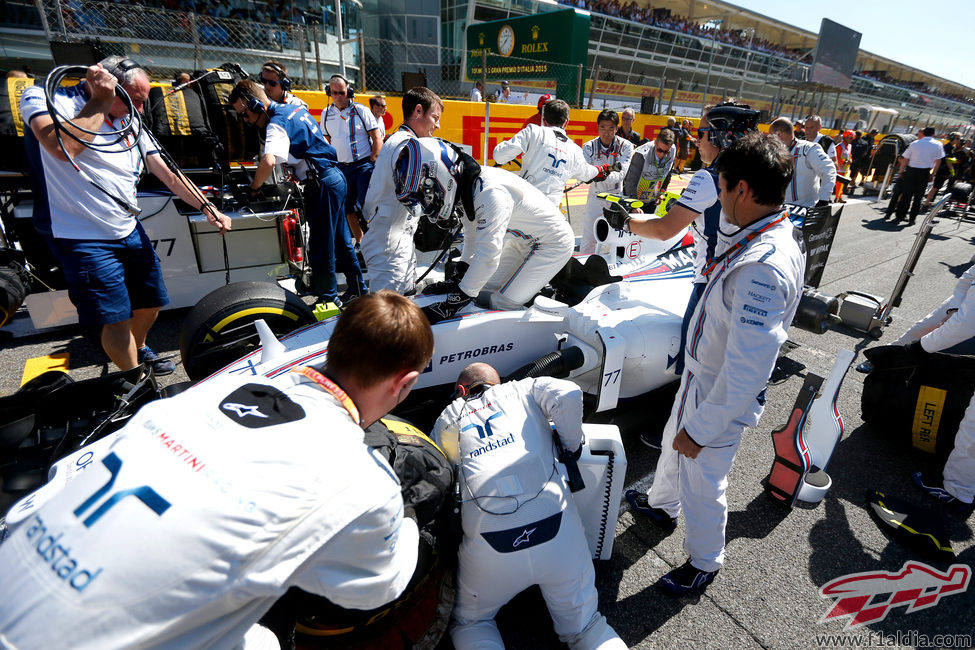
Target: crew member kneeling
column 212, row 503
column 515, row 240
column 520, row 524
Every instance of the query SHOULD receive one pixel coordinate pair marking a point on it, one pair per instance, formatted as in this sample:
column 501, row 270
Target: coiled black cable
column 117, row 139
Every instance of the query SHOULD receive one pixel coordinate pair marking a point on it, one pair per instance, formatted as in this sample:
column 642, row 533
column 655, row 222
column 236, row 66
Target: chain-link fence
column 169, row 42
column 395, row 66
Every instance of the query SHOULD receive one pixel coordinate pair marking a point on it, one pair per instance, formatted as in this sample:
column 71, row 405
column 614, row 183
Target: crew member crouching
column 520, row 524
column 515, row 240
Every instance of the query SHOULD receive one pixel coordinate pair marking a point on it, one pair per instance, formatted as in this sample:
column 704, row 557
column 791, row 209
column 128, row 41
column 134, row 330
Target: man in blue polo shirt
column 293, row 137
column 113, row 274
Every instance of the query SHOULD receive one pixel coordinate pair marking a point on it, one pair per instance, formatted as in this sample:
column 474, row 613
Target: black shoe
column 160, row 365
column 350, row 295
column 652, row 439
column 864, row 367
column 936, row 490
column 686, row 579
column 638, row 502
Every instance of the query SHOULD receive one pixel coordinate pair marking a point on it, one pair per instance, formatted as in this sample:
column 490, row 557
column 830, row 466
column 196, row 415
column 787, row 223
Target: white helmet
column 425, row 177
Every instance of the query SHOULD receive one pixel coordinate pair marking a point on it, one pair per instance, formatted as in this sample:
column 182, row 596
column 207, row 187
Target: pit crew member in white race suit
column 698, row 206
column 387, row 245
column 211, row 504
column 607, row 149
column 549, row 157
column 739, row 323
column 650, row 168
column 521, row 527
column 515, row 240
column 951, row 328
column 814, row 174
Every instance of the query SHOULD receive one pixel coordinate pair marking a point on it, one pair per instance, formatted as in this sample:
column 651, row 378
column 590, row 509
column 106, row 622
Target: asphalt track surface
column 767, row 595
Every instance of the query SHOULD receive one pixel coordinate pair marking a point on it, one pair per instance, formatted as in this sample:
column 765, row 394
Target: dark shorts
column 107, row 279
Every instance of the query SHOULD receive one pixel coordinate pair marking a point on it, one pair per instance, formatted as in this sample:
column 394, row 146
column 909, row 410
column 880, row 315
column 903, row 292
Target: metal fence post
column 487, row 106
column 580, row 91
column 301, row 46
column 318, row 55
column 197, row 55
column 595, row 81
column 362, row 62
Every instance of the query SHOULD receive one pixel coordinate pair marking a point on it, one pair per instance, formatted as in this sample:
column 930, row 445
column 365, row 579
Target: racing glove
column 450, row 284
column 604, row 171
column 617, row 216
column 438, row 311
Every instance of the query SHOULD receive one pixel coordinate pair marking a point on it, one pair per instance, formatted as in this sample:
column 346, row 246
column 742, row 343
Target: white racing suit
column 621, row 151
column 735, row 333
column 517, row 242
column 520, row 524
column 940, row 331
column 813, row 175
column 549, row 159
column 205, row 510
column 387, row 246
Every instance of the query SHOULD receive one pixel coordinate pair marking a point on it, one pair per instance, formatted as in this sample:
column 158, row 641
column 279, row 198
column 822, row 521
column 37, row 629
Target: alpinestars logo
column 868, row 597
column 524, row 537
column 243, row 410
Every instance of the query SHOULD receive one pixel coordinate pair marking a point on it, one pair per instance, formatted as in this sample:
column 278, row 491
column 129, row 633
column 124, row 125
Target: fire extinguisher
column 292, row 237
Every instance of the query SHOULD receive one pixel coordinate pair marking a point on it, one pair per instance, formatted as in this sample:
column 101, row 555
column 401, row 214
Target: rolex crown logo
column 535, row 30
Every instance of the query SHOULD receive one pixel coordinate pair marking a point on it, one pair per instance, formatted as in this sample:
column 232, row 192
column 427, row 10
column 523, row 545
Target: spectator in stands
column 354, row 132
column 113, row 273
column 627, row 117
column 277, row 85
column 477, row 92
column 813, row 173
column 377, row 104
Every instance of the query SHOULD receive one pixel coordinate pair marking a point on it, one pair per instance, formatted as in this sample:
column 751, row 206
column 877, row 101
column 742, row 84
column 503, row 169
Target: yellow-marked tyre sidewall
column 225, row 315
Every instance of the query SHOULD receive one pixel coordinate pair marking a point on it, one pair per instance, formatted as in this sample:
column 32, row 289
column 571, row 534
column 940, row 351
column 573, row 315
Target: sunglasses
column 338, row 92
column 702, row 131
column 663, row 152
column 269, row 82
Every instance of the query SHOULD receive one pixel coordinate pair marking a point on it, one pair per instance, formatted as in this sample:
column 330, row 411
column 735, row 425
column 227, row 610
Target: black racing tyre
column 219, row 329
column 12, row 293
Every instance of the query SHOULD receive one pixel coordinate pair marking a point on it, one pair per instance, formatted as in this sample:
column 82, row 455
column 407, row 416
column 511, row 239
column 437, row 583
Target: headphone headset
column 123, row 66
column 254, row 105
column 350, row 90
column 282, row 75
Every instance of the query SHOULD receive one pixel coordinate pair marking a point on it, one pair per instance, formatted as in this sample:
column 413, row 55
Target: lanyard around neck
column 741, row 244
column 332, row 389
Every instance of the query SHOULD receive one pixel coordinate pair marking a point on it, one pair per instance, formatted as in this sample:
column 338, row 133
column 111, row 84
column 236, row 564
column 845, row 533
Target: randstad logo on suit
column 494, row 444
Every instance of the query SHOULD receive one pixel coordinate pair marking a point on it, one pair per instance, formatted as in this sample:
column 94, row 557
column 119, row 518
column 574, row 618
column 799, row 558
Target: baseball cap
column 541, row 100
